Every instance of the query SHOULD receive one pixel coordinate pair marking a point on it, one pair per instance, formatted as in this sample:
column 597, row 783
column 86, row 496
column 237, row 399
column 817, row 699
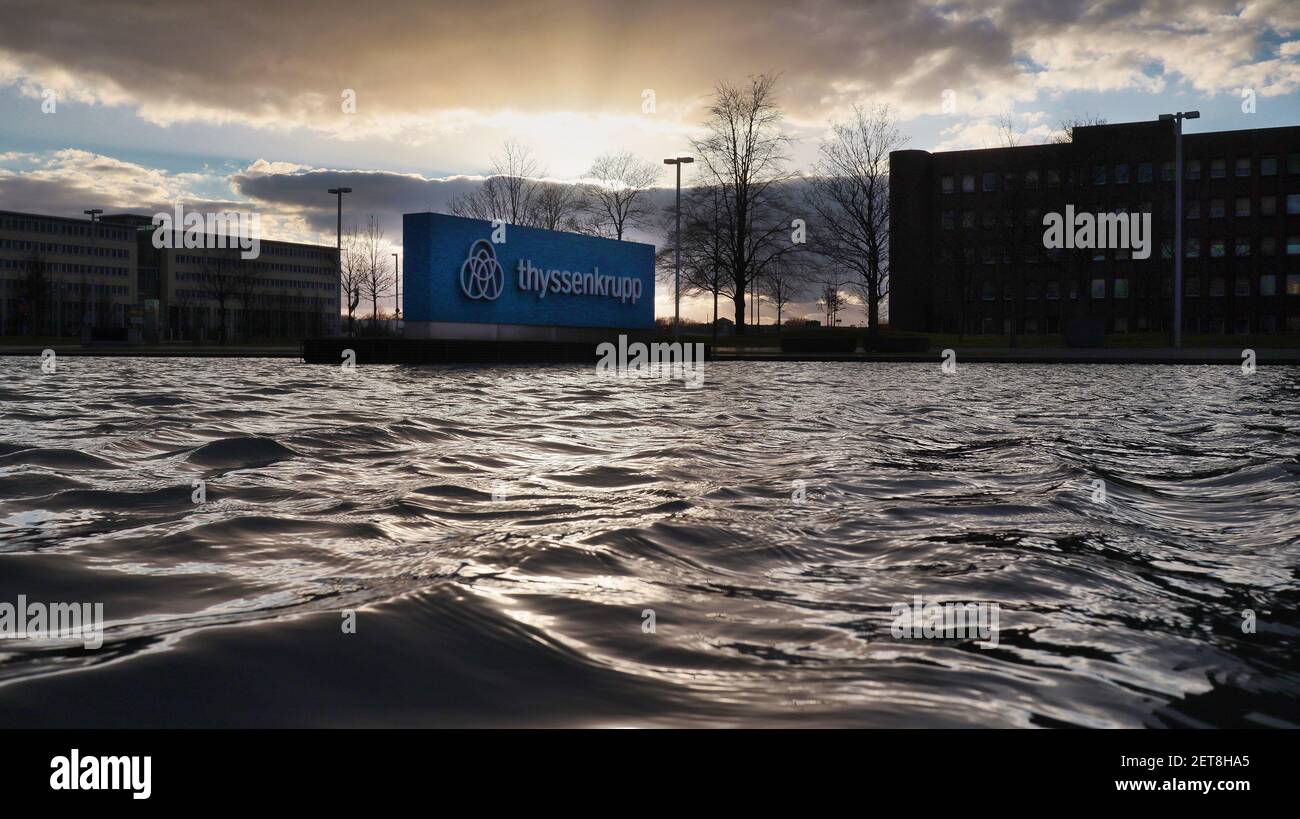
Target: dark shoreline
column 1042, row 355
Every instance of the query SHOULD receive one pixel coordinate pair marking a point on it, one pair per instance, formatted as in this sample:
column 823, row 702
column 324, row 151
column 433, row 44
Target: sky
column 136, row 106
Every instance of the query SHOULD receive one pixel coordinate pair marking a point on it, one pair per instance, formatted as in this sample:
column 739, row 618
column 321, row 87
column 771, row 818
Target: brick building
column 966, row 239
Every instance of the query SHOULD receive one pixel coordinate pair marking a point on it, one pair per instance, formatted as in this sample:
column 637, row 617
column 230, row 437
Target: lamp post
column 93, row 213
column 338, row 243
column 397, row 300
column 677, row 286
column 1177, row 119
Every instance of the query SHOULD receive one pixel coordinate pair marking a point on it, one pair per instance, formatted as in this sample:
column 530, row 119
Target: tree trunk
column 715, row 318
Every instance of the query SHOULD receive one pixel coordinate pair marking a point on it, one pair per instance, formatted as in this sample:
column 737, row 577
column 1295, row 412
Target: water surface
column 374, row 493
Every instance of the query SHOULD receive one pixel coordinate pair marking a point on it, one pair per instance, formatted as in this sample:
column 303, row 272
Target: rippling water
column 374, row 493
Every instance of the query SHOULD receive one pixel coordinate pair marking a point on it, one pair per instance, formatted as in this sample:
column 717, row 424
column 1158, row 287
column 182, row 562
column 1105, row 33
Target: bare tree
column 744, row 154
column 352, row 274
column 849, row 194
column 957, row 251
column 617, row 197
column 704, row 268
column 220, row 272
column 831, row 300
column 509, row 192
column 377, row 278
column 556, row 206
column 1065, row 134
column 785, row 283
column 34, row 291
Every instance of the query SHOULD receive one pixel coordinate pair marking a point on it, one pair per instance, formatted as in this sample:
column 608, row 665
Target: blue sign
column 455, row 272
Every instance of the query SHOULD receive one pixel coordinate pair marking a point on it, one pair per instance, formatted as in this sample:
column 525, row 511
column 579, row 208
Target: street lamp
column 338, row 242
column 93, row 213
column 1177, row 119
column 677, row 287
column 397, row 300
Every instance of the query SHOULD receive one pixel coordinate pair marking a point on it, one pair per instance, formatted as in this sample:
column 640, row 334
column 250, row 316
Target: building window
column 1121, row 288
column 1053, row 178
column 1031, row 291
column 1267, row 246
column 1268, row 206
column 1241, row 207
column 1241, row 287
column 1192, row 287
column 1216, row 208
column 1268, row 166
column 1293, row 245
column 1216, row 248
column 1121, row 324
column 1293, row 284
column 1216, row 287
column 1121, row 174
column 948, row 219
column 1293, row 203
column 1241, row 326
column 968, row 183
column 989, row 219
column 1193, row 168
column 1053, row 290
column 948, row 184
column 1144, row 172
column 1099, row 175
column 1167, row 172
column 986, row 254
column 1074, row 290
column 1031, row 179
column 990, row 181
column 1242, row 168
column 1167, row 249
column 1099, row 288
column 1192, row 209
column 1193, row 249
column 1241, row 248
column 1268, row 284
column 1218, row 168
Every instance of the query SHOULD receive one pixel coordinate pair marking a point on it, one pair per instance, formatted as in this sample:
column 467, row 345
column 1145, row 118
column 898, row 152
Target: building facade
column 967, row 246
column 59, row 276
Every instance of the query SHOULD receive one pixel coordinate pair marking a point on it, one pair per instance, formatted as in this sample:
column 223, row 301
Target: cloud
column 421, row 71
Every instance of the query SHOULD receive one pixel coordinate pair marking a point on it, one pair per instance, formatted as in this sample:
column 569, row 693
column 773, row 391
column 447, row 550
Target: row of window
column 1217, row 209
column 1121, row 174
column 279, row 299
column 1269, row 284
column 61, row 267
column 23, row 245
column 198, row 276
column 70, row 287
column 274, row 267
column 61, row 228
column 1241, row 325
column 1217, row 248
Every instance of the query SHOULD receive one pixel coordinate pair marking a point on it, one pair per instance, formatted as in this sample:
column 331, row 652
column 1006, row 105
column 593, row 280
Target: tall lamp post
column 1177, row 119
column 677, row 286
column 93, row 213
column 397, row 300
column 338, row 243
